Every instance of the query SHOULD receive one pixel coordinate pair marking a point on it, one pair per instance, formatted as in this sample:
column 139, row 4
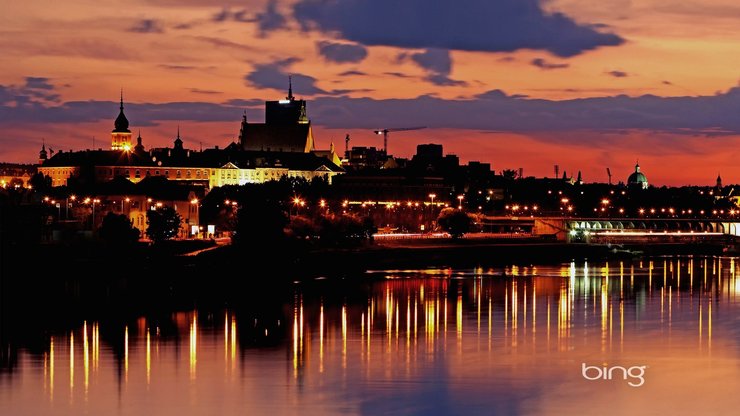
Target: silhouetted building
column 361, row 157
column 286, row 128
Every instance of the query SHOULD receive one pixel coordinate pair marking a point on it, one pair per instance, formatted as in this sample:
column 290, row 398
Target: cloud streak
column 147, row 26
column 341, row 52
column 543, row 64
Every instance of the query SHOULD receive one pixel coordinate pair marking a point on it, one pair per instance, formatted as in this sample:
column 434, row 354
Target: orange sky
column 197, row 51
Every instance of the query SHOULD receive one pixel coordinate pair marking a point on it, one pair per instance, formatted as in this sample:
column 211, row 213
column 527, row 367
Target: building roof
column 209, row 158
column 99, row 158
column 276, row 137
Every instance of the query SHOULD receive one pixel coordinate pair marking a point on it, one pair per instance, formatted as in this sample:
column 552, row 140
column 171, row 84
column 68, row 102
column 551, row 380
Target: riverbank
column 295, row 260
column 302, row 260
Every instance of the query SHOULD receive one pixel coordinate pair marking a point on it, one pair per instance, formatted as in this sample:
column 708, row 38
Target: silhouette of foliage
column 117, row 229
column 454, row 221
column 164, row 224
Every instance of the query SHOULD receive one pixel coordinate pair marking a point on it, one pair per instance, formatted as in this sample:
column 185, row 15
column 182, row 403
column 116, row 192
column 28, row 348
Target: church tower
column 121, row 135
column 42, row 154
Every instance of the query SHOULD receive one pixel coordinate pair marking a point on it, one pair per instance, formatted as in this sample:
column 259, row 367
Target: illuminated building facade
column 281, row 147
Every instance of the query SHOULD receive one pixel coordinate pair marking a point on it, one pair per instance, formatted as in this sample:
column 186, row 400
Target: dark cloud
column 490, row 111
column 351, row 73
column 341, row 52
column 497, row 111
column 471, row 25
column 35, row 93
column 271, row 19
column 618, row 74
column 434, row 60
column 273, row 75
column 543, row 64
column 146, row 26
column 437, row 63
column 39, row 83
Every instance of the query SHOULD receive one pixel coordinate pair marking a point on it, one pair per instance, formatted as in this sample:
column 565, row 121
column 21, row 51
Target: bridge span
column 617, row 230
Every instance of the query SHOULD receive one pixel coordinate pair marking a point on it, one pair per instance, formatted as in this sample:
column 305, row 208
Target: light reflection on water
column 437, row 341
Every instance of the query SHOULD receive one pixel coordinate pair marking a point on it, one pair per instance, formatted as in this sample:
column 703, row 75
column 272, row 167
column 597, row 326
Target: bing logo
column 635, row 375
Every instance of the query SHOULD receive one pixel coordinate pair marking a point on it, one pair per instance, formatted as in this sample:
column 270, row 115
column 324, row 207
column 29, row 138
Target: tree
column 261, row 221
column 117, row 229
column 454, row 221
column 510, row 174
column 39, row 182
column 164, row 223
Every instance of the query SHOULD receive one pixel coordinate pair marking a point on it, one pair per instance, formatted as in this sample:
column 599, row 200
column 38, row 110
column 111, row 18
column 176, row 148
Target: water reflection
column 440, row 341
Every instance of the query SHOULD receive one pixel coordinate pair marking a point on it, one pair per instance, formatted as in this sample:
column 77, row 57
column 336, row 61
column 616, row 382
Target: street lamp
column 431, row 211
column 68, row 204
column 460, row 199
column 194, row 203
column 94, row 201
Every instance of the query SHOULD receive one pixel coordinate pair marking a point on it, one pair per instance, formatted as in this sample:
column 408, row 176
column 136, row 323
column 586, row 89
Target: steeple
column 121, row 123
column 243, row 128
column 139, row 148
column 719, row 181
column 178, row 141
column 42, row 153
column 637, row 166
column 290, row 88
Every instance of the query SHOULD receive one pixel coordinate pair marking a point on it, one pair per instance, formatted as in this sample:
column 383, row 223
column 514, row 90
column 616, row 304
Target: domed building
column 637, row 179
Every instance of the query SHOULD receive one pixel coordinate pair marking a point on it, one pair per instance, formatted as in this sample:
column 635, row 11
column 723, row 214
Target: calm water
column 426, row 342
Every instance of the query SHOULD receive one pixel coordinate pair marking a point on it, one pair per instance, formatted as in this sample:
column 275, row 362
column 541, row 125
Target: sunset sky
column 529, row 84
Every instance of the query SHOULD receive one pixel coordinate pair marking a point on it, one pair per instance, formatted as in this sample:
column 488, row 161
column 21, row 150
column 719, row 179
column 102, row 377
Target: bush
column 117, row 229
column 454, row 221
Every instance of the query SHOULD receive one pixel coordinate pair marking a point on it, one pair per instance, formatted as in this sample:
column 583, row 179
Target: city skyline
column 533, row 85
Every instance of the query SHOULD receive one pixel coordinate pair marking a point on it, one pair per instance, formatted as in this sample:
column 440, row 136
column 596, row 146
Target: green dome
column 637, row 179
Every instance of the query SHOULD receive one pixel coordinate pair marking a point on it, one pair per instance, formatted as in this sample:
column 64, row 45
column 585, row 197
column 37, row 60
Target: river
column 653, row 336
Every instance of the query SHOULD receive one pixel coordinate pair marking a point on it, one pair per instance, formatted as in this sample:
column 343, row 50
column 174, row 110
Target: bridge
column 616, row 230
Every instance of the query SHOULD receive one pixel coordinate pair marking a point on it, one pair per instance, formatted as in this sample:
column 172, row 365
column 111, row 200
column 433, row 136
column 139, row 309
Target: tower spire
column 290, row 87
column 121, row 99
column 178, row 131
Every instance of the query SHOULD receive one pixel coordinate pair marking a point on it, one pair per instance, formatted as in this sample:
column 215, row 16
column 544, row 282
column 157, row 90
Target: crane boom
column 385, row 132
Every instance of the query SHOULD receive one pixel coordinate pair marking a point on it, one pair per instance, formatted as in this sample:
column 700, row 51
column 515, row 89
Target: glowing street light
column 460, row 199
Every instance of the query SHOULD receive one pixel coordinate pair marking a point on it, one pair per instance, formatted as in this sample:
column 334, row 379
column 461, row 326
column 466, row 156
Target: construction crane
column 385, row 132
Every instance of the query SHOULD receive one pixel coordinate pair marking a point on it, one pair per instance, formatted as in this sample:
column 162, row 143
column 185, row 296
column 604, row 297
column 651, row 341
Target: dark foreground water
column 651, row 337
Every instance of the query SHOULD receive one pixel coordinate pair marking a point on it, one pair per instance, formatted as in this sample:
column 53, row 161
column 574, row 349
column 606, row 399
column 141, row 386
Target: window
column 178, row 173
column 156, row 172
column 167, row 173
